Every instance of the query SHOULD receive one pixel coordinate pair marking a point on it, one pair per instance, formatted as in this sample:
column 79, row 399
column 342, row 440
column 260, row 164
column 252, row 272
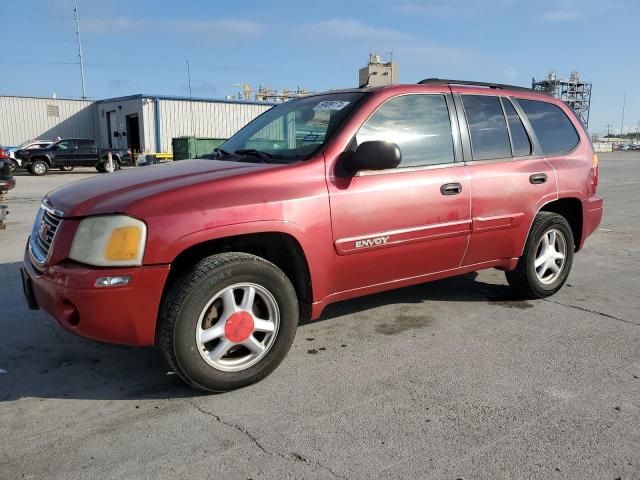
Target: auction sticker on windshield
column 331, row 105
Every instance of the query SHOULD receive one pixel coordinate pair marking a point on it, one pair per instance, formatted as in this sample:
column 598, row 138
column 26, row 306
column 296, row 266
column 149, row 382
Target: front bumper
column 121, row 314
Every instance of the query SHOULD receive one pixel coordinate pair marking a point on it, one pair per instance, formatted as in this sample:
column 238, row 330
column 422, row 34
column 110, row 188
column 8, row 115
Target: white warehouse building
column 144, row 123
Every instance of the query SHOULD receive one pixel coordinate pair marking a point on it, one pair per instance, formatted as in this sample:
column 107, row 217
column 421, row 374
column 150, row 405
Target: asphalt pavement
column 451, row 379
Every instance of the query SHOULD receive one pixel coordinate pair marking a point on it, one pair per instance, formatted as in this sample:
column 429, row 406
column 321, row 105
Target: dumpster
column 194, row 147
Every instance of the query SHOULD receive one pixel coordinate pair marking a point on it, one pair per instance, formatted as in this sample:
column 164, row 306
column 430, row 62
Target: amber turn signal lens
column 123, row 244
column 595, row 159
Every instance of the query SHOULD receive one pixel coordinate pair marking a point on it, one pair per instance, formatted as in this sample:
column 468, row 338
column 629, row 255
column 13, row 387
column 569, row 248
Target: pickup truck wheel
column 228, row 321
column 548, row 255
column 67, row 168
column 39, row 168
column 110, row 169
column 13, row 165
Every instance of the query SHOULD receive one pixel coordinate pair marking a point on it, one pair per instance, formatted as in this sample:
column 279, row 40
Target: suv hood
column 115, row 192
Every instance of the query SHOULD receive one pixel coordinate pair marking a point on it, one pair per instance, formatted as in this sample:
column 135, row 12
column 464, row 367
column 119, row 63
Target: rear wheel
column 109, row 168
column 548, row 255
column 228, row 321
column 39, row 168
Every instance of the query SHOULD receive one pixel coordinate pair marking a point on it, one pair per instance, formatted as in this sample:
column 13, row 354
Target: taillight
column 594, row 172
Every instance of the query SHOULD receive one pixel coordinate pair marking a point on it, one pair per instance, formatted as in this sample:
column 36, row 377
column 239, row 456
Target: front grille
column 44, row 230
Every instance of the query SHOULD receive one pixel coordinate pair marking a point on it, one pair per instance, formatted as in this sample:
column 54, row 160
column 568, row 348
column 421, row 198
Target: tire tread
column 180, row 290
column 518, row 278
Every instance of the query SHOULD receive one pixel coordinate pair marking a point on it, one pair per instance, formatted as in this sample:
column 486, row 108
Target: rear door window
column 519, row 138
column 66, row 145
column 418, row 124
column 487, row 127
column 85, row 144
column 556, row 134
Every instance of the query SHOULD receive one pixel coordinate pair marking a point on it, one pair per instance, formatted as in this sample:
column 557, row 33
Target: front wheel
column 228, row 321
column 13, row 165
column 548, row 255
column 39, row 168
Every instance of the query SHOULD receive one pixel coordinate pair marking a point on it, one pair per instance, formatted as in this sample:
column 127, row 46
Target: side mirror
column 374, row 155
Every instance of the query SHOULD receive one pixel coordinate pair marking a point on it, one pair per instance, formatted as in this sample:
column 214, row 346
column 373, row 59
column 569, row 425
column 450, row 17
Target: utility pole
column 608, row 127
column 624, row 103
column 77, row 18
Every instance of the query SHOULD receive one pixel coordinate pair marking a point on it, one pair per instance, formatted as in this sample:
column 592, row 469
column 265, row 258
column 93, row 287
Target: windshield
column 291, row 131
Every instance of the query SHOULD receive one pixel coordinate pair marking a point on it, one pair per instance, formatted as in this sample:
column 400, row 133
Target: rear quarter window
column 556, row 133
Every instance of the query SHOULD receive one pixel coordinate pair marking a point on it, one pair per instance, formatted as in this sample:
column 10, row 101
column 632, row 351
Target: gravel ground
column 452, row 379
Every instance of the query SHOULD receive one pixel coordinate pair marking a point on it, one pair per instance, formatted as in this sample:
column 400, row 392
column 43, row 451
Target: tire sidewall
column 553, row 222
column 190, row 362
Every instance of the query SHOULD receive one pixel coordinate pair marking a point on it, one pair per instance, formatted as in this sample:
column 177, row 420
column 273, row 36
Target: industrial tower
column 574, row 92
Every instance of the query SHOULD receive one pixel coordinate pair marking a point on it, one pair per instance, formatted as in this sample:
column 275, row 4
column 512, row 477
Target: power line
column 47, row 40
column 34, row 62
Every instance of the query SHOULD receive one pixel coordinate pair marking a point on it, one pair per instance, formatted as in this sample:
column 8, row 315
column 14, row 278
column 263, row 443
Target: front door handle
column 451, row 189
column 538, row 178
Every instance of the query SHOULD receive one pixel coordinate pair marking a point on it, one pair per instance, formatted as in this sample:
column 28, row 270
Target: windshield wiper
column 218, row 153
column 252, row 152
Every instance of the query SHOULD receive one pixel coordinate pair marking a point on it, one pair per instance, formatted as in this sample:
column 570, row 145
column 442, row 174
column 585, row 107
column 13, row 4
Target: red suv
column 320, row 199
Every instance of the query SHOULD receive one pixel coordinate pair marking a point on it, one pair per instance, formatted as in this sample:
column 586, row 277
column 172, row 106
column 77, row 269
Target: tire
column 13, row 165
column 105, row 169
column 100, row 167
column 194, row 304
column 543, row 281
column 67, row 168
column 39, row 168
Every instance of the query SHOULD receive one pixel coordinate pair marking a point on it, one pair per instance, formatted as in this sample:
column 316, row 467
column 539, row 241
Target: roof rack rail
column 500, row 86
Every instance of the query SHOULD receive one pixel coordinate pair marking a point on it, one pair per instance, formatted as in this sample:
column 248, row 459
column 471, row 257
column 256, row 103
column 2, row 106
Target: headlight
column 109, row 241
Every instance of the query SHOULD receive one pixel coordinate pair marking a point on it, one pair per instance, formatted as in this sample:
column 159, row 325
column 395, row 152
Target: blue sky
column 142, row 46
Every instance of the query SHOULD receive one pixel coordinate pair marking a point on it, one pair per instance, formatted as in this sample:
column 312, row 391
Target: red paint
column 239, row 327
column 431, row 236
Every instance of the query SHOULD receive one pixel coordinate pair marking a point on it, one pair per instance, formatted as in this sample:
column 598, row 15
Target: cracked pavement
column 453, row 379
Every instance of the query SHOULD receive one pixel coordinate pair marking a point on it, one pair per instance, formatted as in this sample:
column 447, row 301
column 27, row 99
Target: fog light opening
column 118, row 281
column 71, row 313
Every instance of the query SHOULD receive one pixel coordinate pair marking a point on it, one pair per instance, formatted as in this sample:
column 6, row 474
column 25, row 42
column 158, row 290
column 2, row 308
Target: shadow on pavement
column 463, row 288
column 44, row 361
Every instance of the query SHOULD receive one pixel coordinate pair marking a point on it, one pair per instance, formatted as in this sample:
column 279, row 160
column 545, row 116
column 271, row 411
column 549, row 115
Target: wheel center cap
column 239, row 327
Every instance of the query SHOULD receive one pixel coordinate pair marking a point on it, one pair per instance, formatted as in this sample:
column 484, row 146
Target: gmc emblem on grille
column 44, row 230
column 370, row 242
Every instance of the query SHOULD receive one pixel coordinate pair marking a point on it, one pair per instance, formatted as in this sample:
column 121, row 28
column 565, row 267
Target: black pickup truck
column 68, row 153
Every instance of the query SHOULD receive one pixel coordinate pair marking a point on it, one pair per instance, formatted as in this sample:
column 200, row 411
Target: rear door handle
column 538, row 178
column 451, row 189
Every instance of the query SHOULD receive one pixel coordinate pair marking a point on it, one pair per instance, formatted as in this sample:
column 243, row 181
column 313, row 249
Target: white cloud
column 563, row 14
column 348, row 29
column 449, row 8
column 509, row 73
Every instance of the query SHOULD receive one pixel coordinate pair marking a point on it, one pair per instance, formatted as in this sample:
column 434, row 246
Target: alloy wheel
column 550, row 257
column 237, row 327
